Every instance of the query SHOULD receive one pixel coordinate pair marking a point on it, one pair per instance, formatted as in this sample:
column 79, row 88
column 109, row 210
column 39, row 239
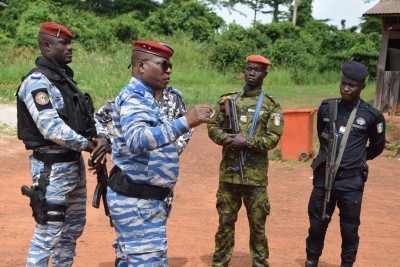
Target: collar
column 252, row 92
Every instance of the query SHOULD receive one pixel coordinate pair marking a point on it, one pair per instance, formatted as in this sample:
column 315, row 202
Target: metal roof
column 384, row 7
column 2, row 5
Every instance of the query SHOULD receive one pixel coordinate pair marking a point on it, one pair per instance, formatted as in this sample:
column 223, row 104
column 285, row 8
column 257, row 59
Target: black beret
column 355, row 70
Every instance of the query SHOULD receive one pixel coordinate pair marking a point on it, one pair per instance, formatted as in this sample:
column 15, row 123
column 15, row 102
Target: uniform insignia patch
column 277, row 118
column 36, row 75
column 42, row 98
column 379, row 127
column 361, row 121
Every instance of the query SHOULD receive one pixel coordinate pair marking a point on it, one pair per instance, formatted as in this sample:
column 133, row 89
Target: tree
column 113, row 7
column 295, row 6
column 275, row 4
column 304, row 12
column 258, row 6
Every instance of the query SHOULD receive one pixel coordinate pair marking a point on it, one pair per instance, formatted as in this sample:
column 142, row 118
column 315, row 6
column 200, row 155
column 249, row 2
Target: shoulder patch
column 41, row 98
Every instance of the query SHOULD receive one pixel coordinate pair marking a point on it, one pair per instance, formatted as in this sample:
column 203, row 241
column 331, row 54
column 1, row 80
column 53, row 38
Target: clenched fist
column 199, row 114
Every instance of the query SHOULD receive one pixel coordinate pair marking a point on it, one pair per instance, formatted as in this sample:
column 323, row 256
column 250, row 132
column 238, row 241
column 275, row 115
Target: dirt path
column 193, row 221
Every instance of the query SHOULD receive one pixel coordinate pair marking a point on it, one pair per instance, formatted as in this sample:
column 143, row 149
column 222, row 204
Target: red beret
column 258, row 59
column 158, row 49
column 56, row 30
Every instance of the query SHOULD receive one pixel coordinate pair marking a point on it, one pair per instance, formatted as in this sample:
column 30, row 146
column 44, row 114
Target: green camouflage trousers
column 229, row 201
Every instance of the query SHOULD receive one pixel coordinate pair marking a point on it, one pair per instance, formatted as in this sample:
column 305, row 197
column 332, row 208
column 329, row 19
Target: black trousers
column 347, row 196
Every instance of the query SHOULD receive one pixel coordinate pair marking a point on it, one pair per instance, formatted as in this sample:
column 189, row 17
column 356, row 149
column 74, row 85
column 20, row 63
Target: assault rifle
column 330, row 171
column 232, row 126
column 101, row 190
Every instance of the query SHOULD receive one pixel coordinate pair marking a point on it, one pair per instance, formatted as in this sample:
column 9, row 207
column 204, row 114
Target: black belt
column 123, row 186
column 58, row 157
column 342, row 174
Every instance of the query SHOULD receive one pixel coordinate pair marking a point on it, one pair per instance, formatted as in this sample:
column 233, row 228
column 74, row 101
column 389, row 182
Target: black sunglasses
column 165, row 64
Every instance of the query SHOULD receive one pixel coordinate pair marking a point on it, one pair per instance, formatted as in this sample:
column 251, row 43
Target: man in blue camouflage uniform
column 368, row 127
column 146, row 157
column 174, row 107
column 252, row 187
column 54, row 121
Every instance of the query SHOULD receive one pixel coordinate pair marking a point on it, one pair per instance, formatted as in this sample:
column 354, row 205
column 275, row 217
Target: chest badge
column 42, row 98
column 361, row 121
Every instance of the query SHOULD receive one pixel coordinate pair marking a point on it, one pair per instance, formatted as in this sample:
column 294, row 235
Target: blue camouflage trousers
column 140, row 225
column 67, row 186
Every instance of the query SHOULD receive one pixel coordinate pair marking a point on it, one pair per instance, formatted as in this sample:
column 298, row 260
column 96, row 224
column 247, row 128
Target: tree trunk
column 295, row 5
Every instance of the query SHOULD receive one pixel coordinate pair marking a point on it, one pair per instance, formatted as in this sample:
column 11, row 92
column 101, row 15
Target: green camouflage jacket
column 266, row 136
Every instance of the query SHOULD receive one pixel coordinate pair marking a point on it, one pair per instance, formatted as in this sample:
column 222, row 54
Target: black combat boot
column 346, row 264
column 311, row 263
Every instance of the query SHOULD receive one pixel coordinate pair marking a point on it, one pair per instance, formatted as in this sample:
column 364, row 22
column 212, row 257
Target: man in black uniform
column 368, row 125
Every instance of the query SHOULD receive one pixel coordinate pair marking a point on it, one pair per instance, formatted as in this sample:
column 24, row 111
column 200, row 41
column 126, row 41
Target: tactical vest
column 77, row 111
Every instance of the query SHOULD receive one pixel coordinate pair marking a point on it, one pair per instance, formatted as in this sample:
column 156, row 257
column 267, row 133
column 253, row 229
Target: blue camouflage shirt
column 144, row 142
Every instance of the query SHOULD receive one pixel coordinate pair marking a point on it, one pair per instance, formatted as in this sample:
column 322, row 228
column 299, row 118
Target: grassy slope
column 103, row 73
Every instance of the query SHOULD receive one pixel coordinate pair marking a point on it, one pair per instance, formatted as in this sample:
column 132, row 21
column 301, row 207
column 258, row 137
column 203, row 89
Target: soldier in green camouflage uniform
column 231, row 189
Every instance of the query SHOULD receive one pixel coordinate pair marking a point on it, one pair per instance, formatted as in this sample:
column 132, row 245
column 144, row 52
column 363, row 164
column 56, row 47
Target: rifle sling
column 255, row 118
column 345, row 137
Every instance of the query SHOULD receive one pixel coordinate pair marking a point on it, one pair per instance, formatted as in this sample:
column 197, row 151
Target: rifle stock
column 232, row 126
column 330, row 171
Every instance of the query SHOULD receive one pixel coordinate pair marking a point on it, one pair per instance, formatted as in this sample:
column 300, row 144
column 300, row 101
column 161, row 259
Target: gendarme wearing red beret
column 154, row 48
column 55, row 30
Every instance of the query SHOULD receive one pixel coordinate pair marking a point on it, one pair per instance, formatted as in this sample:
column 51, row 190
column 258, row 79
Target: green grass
column 104, row 73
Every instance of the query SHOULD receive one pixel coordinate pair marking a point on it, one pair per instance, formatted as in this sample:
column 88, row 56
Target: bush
column 127, row 27
column 91, row 31
column 231, row 55
column 30, row 21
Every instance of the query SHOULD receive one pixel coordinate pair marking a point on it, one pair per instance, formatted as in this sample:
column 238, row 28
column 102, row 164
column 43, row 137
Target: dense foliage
column 311, row 45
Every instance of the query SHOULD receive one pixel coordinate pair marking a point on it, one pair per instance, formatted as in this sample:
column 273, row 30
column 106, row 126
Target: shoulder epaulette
column 136, row 89
column 326, row 101
column 227, row 96
column 270, row 98
column 175, row 91
column 372, row 110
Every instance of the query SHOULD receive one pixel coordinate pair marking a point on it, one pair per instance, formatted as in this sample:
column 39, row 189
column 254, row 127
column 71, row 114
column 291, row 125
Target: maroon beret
column 258, row 59
column 158, row 49
column 56, row 30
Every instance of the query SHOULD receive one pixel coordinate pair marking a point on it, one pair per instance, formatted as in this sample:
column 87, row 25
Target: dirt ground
column 194, row 219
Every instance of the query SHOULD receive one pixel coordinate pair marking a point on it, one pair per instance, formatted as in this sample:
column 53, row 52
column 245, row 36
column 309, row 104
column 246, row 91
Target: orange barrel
column 297, row 138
